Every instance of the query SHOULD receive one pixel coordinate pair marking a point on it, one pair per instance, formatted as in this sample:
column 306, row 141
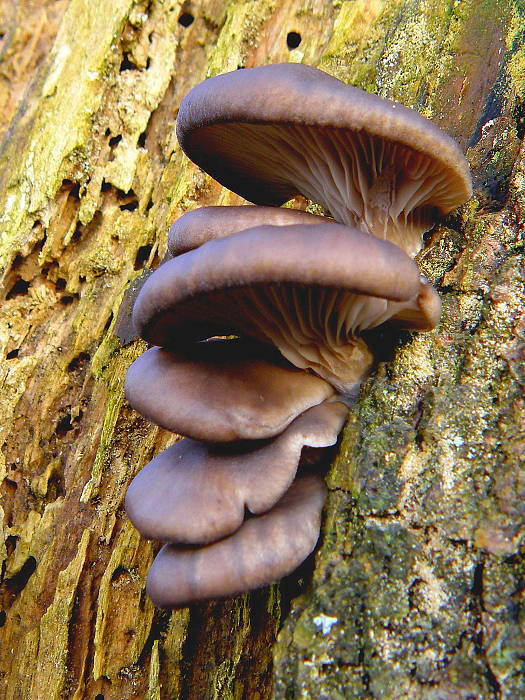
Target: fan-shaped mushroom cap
column 272, row 132
column 194, row 493
column 222, row 390
column 265, row 548
column 200, row 225
column 309, row 290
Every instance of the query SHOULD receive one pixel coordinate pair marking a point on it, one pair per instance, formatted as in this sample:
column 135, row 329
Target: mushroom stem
column 343, row 366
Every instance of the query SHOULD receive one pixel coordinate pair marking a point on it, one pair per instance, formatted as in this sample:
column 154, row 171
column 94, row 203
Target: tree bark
column 417, row 587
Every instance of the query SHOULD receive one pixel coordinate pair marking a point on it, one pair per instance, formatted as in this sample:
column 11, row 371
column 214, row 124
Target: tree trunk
column 416, row 589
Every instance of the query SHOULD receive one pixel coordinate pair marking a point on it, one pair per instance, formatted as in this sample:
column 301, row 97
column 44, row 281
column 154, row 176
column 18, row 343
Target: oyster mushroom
column 308, row 289
column 195, row 493
column 222, row 390
column 272, row 132
column 264, row 549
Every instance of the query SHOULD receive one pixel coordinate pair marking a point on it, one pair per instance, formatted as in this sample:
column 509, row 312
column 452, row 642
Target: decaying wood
column 417, row 587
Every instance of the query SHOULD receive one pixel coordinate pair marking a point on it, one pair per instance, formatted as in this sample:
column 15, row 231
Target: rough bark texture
column 417, row 588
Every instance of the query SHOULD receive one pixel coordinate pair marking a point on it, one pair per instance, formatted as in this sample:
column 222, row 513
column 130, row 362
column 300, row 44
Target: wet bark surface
column 416, row 589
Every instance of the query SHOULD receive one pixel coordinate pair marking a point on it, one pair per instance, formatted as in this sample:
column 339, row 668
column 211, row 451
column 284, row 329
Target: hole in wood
column 10, row 543
column 130, row 206
column 66, row 424
column 19, row 288
column 78, row 362
column 293, row 40
column 115, row 140
column 143, row 254
column 186, row 18
column 127, row 63
column 20, row 579
column 72, row 187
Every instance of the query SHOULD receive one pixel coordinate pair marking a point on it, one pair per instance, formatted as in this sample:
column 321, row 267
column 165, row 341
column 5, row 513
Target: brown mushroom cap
column 272, row 132
column 201, row 225
column 222, row 390
column 265, row 548
column 195, row 493
column 307, row 289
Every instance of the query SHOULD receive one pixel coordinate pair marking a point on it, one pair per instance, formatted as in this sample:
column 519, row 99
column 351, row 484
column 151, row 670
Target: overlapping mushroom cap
column 272, row 132
column 266, row 548
column 207, row 223
column 196, row 493
column 222, row 390
column 308, row 289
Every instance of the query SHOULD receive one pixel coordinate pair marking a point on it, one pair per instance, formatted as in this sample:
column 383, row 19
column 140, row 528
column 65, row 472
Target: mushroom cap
column 272, row 132
column 323, row 255
column 264, row 549
column 201, row 225
column 222, row 390
column 422, row 314
column 307, row 289
column 195, row 493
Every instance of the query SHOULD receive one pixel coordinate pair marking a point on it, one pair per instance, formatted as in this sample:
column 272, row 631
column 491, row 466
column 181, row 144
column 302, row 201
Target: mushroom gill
column 272, row 132
column 308, row 289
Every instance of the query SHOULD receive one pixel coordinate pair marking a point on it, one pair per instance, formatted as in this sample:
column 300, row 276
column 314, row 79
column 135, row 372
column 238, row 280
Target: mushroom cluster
column 258, row 318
